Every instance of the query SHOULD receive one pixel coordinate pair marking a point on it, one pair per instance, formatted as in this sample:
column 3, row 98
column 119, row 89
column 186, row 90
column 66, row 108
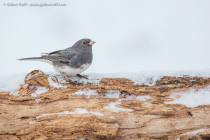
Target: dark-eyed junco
column 70, row 61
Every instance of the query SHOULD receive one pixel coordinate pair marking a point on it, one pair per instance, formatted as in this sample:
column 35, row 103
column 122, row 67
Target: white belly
column 72, row 71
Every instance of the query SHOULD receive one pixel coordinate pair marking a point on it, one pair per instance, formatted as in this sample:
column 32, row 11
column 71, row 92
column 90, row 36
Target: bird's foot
column 74, row 83
column 70, row 81
column 80, row 76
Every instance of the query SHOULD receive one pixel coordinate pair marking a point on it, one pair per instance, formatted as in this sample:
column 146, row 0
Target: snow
column 14, row 93
column 34, row 121
column 197, row 131
column 54, row 84
column 37, row 100
column 77, row 111
column 192, row 97
column 82, row 138
column 92, row 78
column 6, row 99
column 145, row 77
column 126, row 137
column 10, row 83
column 112, row 117
column 194, row 132
column 116, row 124
column 86, row 92
column 137, row 97
column 39, row 90
column 112, row 106
column 114, row 94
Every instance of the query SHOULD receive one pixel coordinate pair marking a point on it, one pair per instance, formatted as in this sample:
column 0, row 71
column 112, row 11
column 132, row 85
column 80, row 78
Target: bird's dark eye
column 83, row 42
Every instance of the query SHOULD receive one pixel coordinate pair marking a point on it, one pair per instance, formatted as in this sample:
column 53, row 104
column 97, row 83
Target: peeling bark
column 147, row 121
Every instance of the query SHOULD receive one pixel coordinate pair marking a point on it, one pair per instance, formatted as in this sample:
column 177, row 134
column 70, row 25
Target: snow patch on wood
column 77, row 111
column 192, row 97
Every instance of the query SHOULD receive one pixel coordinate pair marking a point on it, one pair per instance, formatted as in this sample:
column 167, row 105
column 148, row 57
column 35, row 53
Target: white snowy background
column 130, row 35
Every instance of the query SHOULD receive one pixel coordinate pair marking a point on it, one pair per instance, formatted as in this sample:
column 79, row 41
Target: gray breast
column 80, row 59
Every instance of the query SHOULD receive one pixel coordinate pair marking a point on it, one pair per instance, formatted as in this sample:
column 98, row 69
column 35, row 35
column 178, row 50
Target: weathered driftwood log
column 21, row 117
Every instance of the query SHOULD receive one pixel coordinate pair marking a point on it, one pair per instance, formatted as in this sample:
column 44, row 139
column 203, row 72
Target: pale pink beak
column 91, row 43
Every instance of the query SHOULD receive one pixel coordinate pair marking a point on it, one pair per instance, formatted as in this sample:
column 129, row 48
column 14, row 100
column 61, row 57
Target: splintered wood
column 61, row 114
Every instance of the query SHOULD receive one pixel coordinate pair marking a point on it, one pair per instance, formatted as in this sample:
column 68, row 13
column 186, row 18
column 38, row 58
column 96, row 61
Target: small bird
column 70, row 61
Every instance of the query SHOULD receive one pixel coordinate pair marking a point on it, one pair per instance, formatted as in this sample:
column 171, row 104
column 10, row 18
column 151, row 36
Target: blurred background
column 130, row 35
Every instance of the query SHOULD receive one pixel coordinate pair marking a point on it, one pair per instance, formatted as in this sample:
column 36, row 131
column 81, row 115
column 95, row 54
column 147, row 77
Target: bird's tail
column 37, row 59
column 32, row 58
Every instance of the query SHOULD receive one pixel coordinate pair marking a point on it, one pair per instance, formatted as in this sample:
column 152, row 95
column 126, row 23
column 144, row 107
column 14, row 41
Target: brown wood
column 147, row 121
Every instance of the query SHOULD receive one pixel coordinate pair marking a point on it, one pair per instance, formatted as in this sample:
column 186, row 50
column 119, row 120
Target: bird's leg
column 80, row 76
column 71, row 82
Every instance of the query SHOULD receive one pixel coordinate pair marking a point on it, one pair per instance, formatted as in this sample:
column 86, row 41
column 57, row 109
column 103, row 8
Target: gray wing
column 53, row 52
column 59, row 56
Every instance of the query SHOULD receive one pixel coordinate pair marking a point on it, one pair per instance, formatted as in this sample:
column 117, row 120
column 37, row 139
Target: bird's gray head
column 84, row 45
